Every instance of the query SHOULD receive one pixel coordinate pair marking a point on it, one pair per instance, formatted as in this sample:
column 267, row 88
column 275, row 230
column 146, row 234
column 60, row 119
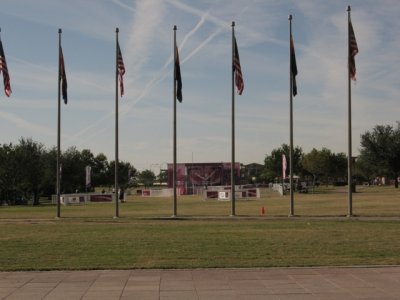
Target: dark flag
column 178, row 78
column 353, row 50
column 121, row 69
column 4, row 69
column 237, row 70
column 293, row 66
column 62, row 77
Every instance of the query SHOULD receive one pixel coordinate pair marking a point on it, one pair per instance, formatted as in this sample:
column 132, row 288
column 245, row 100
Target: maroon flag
column 4, row 69
column 63, row 77
column 237, row 70
column 353, row 50
column 120, row 69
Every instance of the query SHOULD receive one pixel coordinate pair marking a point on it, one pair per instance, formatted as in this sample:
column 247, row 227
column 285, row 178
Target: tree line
column 28, row 169
column 379, row 157
column 319, row 165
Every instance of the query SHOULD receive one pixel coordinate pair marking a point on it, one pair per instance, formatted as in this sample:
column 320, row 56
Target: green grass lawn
column 87, row 236
column 196, row 244
column 326, row 201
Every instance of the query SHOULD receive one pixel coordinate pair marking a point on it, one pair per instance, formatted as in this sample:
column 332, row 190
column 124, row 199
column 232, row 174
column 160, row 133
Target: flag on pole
column 353, row 50
column 284, row 166
column 178, row 78
column 237, row 70
column 293, row 66
column 4, row 69
column 62, row 77
column 121, row 69
column 88, row 170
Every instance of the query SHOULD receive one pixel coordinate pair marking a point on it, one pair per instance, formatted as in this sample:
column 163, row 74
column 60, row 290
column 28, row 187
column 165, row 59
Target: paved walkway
column 274, row 283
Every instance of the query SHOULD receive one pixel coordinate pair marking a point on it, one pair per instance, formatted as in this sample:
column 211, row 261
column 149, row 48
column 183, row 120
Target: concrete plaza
column 266, row 283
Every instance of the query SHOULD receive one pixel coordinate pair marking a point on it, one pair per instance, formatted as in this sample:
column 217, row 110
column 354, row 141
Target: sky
column 29, row 32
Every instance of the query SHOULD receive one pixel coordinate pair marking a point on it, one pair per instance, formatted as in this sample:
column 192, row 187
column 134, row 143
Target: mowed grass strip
column 326, row 201
column 79, row 244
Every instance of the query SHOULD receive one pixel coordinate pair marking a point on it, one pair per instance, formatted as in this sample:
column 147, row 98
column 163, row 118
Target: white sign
column 223, row 195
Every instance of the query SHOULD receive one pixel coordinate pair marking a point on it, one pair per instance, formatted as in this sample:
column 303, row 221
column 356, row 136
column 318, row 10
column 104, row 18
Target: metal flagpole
column 349, row 159
column 59, row 126
column 233, row 127
column 116, row 127
column 291, row 121
column 174, row 167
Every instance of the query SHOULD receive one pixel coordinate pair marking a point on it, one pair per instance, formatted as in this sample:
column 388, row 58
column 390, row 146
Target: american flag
column 178, row 77
column 293, row 66
column 353, row 50
column 237, row 70
column 120, row 69
column 4, row 69
column 63, row 77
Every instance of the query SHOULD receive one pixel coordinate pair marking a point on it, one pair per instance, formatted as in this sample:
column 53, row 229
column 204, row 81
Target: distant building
column 190, row 176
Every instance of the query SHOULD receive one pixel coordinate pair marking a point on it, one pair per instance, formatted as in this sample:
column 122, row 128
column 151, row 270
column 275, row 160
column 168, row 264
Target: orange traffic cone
column 262, row 211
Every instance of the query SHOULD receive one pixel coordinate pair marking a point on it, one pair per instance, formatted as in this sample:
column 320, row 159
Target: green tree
column 126, row 174
column 72, row 171
column 363, row 170
column 21, row 171
column 28, row 171
column 99, row 170
column 9, row 173
column 337, row 166
column 273, row 162
column 316, row 163
column 30, row 168
column 48, row 182
column 325, row 164
column 163, row 176
column 147, row 178
column 380, row 150
column 103, row 172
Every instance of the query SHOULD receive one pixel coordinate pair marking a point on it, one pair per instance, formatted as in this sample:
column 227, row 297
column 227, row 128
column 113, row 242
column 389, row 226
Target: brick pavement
column 268, row 283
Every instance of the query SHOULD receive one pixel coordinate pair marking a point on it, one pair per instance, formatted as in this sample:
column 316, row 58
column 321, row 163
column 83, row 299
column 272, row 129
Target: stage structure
column 193, row 176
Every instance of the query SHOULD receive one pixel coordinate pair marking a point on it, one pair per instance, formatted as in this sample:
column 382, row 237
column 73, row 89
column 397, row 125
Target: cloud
column 161, row 74
column 26, row 125
column 192, row 10
column 123, row 5
column 204, row 40
column 147, row 16
column 76, row 15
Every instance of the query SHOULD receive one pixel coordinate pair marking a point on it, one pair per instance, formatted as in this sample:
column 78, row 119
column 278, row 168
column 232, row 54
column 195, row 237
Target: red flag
column 4, row 69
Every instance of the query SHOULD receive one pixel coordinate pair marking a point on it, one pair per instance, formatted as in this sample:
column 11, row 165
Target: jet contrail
column 126, row 107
